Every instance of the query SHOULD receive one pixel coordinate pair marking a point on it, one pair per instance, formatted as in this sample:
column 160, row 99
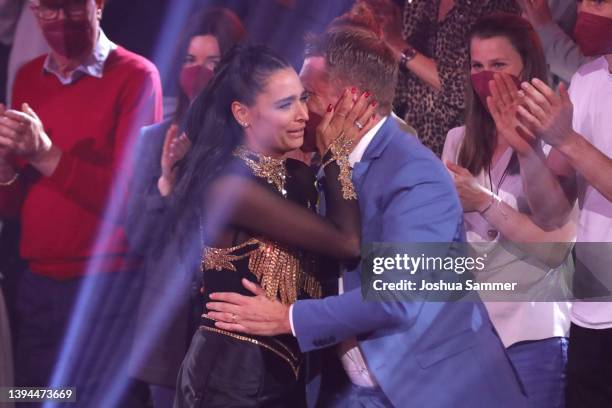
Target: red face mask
column 480, row 83
column 69, row 38
column 593, row 34
column 194, row 79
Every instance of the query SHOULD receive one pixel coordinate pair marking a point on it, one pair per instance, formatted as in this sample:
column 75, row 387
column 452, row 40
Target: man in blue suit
column 403, row 353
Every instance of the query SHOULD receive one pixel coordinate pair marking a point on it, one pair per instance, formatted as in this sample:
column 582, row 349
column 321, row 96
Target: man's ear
column 241, row 113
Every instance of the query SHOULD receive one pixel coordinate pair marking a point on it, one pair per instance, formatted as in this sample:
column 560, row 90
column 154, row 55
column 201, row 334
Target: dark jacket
column 170, row 296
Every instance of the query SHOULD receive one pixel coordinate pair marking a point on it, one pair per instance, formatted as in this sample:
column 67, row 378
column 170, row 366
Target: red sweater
column 66, row 226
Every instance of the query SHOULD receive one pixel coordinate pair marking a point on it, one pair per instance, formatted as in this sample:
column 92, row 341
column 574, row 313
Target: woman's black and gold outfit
column 223, row 369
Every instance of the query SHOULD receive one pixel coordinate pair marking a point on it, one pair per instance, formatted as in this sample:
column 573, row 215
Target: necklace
column 271, row 169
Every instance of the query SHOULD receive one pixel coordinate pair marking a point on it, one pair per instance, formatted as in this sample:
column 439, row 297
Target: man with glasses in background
column 74, row 114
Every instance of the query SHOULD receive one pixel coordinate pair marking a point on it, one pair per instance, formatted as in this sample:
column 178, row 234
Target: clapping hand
column 473, row 196
column 504, row 104
column 22, row 133
column 537, row 11
column 547, row 114
column 175, row 148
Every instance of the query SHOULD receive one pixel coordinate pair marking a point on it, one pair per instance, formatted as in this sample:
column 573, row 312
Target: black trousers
column 589, row 368
column 82, row 342
column 220, row 371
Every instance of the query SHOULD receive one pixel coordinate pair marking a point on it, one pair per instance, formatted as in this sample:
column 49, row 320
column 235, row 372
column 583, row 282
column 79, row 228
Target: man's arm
column 421, row 206
column 73, row 176
column 550, row 200
column 562, row 53
column 589, row 161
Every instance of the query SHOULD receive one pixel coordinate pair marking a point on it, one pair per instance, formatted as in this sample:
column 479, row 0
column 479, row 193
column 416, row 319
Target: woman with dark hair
column 531, row 325
column 169, row 306
column 257, row 222
column 429, row 40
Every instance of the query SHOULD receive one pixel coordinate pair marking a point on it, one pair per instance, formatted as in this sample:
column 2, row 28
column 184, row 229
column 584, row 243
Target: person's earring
column 244, row 124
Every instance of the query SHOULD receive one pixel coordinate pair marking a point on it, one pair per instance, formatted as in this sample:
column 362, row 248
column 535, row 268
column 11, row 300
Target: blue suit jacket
column 422, row 354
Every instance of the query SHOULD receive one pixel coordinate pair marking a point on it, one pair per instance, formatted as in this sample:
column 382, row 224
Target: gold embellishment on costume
column 283, row 273
column 222, row 258
column 271, row 169
column 340, row 150
column 290, row 358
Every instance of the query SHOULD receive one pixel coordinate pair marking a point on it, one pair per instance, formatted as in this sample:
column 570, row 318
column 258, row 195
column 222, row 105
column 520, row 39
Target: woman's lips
column 296, row 132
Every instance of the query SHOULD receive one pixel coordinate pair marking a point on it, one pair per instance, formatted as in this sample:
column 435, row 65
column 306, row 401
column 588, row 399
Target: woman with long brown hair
column 531, row 325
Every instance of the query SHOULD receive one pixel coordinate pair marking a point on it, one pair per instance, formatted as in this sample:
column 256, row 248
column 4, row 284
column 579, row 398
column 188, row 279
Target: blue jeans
column 540, row 365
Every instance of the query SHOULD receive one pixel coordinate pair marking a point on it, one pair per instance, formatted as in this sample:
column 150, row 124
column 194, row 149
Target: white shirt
column 591, row 95
column 350, row 355
column 514, row 320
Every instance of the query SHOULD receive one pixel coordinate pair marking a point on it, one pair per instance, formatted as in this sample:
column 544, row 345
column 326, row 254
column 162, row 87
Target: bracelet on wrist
column 495, row 199
column 407, row 55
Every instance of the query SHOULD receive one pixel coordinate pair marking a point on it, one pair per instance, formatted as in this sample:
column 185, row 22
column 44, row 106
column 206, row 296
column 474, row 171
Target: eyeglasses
column 73, row 11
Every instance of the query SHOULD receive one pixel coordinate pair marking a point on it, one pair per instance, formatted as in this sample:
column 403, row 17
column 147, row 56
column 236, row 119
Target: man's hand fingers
column 528, row 118
column 7, row 143
column 28, row 110
column 253, row 287
column 17, row 116
column 232, row 327
column 12, row 124
column 545, row 90
column 221, row 307
column 229, row 297
column 563, row 94
column 535, row 109
column 533, row 94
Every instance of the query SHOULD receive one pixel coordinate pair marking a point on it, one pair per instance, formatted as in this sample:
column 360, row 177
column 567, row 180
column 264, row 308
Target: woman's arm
column 512, row 224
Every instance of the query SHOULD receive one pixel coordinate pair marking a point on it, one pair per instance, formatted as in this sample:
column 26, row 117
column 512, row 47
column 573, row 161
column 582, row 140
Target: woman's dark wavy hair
column 479, row 143
column 221, row 23
column 241, row 75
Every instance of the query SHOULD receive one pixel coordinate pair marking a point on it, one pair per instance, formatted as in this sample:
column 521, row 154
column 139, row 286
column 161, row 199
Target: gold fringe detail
column 283, row 273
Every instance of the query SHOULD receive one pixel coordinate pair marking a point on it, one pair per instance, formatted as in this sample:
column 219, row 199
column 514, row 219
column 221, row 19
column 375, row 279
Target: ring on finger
column 234, row 318
column 359, row 125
